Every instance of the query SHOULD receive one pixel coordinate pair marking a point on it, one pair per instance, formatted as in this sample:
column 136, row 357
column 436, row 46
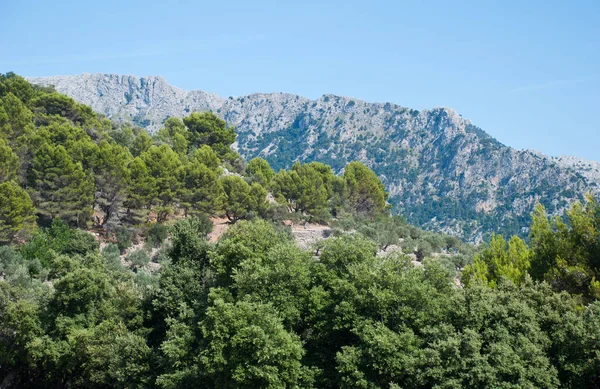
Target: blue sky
column 527, row 72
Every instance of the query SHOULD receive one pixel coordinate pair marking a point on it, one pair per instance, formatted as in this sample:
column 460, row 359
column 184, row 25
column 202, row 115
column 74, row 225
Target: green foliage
column 175, row 135
column 18, row 86
column 81, row 243
column 207, row 129
column 156, row 233
column 10, row 162
column 17, row 213
column 366, row 193
column 247, row 346
column 17, row 119
column 242, row 200
column 112, row 176
column 138, row 259
column 201, row 190
column 189, row 239
column 260, row 171
column 111, row 256
column 163, row 166
column 124, row 238
column 566, row 253
column 206, row 156
column 60, row 187
column 244, row 241
column 302, row 188
column 141, row 144
column 253, row 309
column 142, row 189
column 498, row 261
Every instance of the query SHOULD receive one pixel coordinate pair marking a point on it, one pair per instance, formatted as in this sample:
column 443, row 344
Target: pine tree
column 141, row 143
column 201, row 190
column 60, row 187
column 366, row 192
column 260, row 171
column 163, row 165
column 208, row 129
column 112, row 177
column 302, row 187
column 141, row 191
column 238, row 198
column 10, row 162
column 17, row 212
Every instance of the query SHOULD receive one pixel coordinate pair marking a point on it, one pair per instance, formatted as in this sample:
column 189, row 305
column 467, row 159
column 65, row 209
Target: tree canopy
column 110, row 275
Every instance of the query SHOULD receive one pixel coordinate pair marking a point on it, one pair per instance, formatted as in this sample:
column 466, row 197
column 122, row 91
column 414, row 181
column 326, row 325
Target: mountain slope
column 441, row 171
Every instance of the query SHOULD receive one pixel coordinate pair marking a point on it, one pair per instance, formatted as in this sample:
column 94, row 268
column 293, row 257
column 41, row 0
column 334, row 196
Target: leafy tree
column 123, row 135
column 124, row 238
column 302, row 188
column 16, row 211
column 142, row 186
column 258, row 200
column 566, row 253
column 207, row 129
column 138, row 259
column 112, row 177
column 79, row 242
column 18, row 119
column 259, row 170
column 238, row 198
column 497, row 261
column 282, row 276
column 206, row 156
column 247, row 346
column 163, row 166
column 366, row 192
column 141, row 144
column 175, row 134
column 60, row 187
column 18, row 86
column 10, row 162
column 61, row 105
column 201, row 189
column 156, row 234
column 383, row 231
column 244, row 241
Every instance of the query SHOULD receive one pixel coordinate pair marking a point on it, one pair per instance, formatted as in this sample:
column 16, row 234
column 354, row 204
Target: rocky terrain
column 588, row 169
column 442, row 172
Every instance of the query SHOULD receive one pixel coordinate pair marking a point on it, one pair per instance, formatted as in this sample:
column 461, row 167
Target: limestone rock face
column 146, row 101
column 442, row 172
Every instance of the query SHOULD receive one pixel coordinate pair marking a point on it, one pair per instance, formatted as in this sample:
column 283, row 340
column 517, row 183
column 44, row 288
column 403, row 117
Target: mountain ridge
column 442, row 171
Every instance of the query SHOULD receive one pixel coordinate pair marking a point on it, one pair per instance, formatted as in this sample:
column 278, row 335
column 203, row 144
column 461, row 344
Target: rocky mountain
column 442, row 172
column 588, row 169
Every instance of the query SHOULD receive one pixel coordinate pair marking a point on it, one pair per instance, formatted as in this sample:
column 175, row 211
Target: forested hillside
column 108, row 279
column 442, row 172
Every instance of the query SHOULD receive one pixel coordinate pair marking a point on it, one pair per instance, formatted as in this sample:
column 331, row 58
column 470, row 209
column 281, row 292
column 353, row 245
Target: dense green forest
column 81, row 307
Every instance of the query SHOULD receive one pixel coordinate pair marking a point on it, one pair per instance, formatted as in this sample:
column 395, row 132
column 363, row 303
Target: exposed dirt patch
column 308, row 234
column 220, row 226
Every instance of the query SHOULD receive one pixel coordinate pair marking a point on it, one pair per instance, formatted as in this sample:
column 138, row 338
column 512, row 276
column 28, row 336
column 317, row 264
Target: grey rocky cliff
column 588, row 169
column 441, row 171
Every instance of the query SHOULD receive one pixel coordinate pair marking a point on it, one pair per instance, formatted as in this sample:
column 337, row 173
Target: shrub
column 124, row 238
column 199, row 224
column 111, row 256
column 82, row 243
column 156, row 234
column 138, row 258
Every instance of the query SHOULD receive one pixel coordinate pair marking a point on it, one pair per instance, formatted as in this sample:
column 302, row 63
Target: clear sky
column 527, row 72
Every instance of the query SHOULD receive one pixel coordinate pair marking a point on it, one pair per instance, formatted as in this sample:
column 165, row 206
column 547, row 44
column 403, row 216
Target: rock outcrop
column 442, row 172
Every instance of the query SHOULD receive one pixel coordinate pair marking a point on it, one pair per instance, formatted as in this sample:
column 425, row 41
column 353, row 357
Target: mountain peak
column 440, row 170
